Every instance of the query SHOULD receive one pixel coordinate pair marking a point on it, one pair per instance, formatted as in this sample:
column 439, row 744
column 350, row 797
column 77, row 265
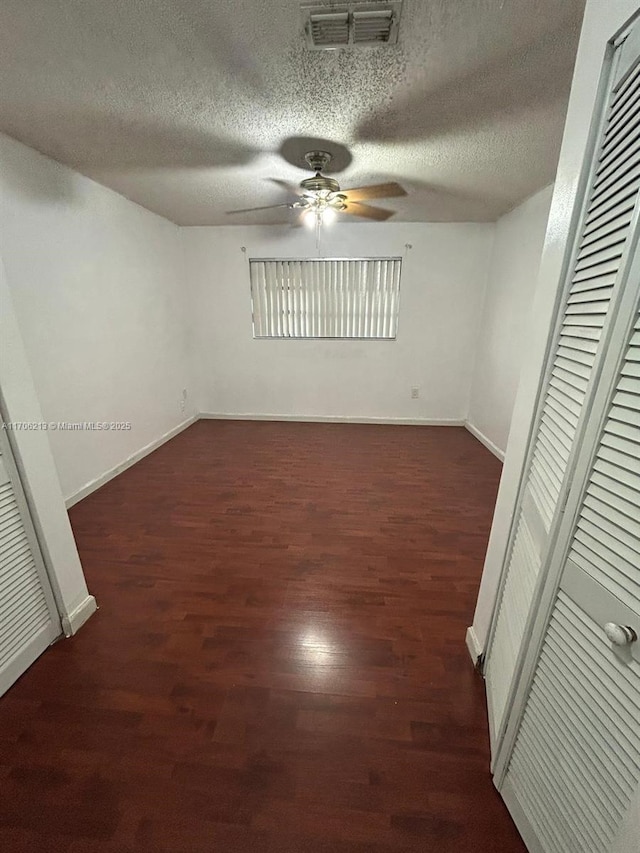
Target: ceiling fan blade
column 367, row 211
column 293, row 189
column 266, row 207
column 390, row 190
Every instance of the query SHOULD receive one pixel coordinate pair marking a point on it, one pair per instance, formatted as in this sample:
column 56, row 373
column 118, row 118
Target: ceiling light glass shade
column 320, row 207
column 322, row 201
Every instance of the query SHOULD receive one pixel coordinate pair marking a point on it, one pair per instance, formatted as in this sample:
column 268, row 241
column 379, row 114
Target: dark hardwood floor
column 278, row 663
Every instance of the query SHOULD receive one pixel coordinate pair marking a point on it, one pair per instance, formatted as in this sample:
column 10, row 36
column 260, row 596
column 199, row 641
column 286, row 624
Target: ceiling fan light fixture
column 321, row 195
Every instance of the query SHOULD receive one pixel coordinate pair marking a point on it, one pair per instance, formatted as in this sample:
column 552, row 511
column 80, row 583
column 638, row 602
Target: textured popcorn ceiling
column 183, row 105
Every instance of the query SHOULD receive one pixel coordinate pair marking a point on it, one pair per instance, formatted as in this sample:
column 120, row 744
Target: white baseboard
column 482, row 438
column 73, row 621
column 332, row 419
column 473, row 644
column 128, row 462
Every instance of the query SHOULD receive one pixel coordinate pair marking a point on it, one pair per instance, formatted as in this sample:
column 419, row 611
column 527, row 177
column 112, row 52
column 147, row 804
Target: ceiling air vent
column 329, row 29
column 374, row 27
column 356, row 24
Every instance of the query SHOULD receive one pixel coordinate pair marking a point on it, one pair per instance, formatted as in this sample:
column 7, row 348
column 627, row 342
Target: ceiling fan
column 319, row 198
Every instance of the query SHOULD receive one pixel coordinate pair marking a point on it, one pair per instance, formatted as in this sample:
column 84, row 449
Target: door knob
column 620, row 635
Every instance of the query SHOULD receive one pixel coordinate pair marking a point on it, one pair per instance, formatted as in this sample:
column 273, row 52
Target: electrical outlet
column 415, row 392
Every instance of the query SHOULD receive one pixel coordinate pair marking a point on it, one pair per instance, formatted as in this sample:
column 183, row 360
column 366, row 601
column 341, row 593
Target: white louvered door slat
column 28, row 618
column 575, row 763
column 601, row 256
column 609, row 524
column 582, row 714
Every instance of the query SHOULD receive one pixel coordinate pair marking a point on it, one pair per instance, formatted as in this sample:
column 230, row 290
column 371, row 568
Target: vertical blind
column 325, row 298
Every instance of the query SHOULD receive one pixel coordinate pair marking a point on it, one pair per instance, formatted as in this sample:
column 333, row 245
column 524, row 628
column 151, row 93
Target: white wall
column 38, row 472
column 601, row 22
column 98, row 291
column 513, row 273
column 442, row 290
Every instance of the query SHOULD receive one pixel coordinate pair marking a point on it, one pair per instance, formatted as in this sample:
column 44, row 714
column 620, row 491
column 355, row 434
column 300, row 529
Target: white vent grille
column 351, row 25
column 329, row 29
column 373, row 27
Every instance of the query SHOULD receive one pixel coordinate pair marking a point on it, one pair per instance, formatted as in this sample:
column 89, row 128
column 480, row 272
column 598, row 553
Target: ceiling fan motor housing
column 318, row 161
column 319, row 183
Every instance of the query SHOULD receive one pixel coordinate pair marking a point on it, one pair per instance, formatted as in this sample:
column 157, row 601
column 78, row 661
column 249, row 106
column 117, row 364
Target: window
column 325, row 298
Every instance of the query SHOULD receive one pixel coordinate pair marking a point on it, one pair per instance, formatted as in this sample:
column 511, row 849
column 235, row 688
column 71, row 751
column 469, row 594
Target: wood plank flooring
column 278, row 663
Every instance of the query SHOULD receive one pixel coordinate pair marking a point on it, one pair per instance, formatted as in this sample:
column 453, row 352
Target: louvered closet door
column 28, row 617
column 600, row 258
column 576, row 761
